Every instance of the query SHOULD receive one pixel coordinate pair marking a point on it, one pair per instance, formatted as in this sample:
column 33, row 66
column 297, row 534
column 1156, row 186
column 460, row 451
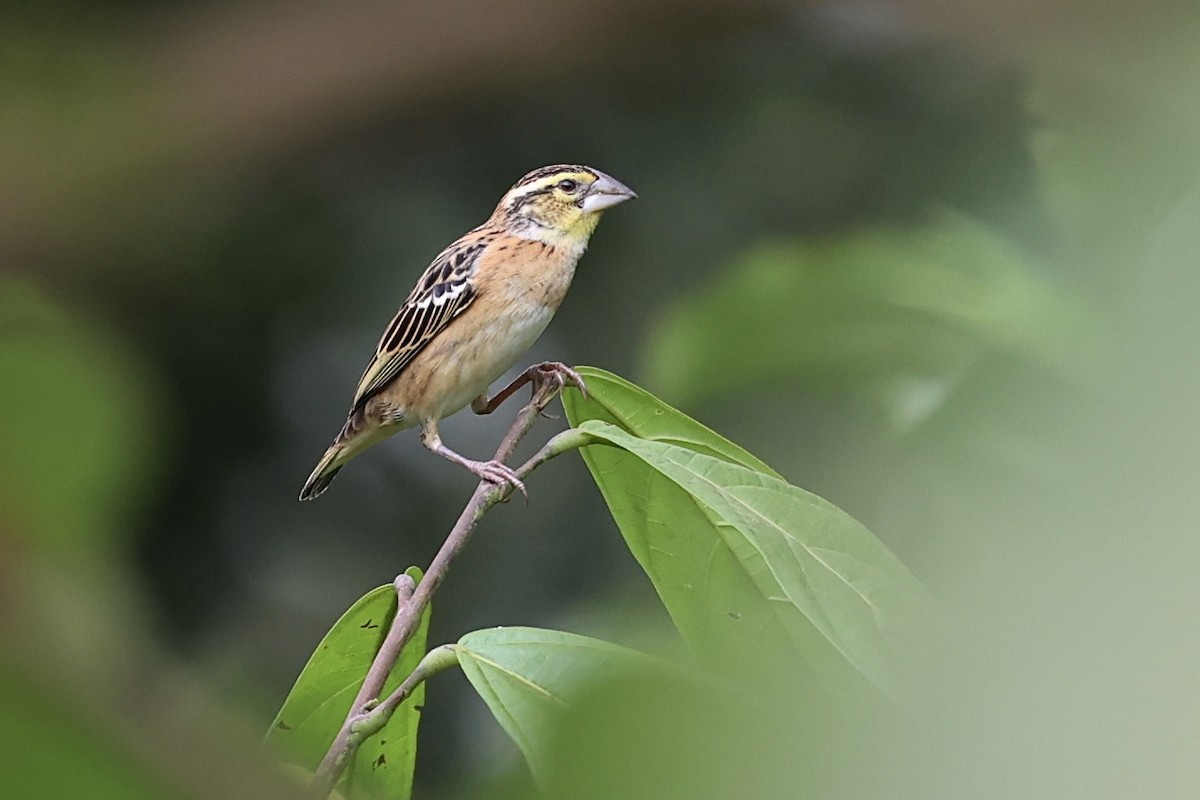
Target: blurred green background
column 937, row 264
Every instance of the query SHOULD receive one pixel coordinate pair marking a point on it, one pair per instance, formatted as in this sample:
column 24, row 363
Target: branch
column 364, row 718
column 389, row 651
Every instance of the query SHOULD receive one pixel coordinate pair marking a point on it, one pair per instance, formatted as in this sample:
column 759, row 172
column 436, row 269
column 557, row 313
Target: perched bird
column 483, row 302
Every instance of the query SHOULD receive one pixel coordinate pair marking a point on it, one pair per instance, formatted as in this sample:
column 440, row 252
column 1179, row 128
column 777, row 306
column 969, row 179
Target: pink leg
column 491, row 471
column 553, row 375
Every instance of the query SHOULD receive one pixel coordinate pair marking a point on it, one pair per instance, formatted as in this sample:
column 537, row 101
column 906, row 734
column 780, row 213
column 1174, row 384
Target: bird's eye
column 567, row 185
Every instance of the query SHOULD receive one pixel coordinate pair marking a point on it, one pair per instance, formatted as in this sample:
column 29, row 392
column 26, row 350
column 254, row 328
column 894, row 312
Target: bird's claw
column 551, row 377
column 499, row 474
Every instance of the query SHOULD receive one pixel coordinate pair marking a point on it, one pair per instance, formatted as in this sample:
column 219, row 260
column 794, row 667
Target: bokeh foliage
column 938, row 266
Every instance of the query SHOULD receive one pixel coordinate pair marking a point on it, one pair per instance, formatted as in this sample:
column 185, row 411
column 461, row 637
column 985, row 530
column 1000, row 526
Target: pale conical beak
column 606, row 192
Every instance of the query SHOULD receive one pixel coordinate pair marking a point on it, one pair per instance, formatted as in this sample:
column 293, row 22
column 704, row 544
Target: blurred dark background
column 935, row 264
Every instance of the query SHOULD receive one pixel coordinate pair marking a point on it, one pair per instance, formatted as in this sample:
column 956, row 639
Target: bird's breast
column 517, row 292
column 472, row 362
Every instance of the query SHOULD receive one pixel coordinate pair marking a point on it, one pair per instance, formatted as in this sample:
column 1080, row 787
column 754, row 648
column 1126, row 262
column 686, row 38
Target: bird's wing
column 442, row 293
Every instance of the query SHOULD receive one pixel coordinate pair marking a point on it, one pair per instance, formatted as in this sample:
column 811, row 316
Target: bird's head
column 560, row 204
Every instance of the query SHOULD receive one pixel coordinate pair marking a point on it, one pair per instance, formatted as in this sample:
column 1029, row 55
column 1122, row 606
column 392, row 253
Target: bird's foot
column 550, row 378
column 497, row 473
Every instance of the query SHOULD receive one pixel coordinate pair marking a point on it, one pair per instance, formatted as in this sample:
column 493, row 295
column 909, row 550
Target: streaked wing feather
column 443, row 292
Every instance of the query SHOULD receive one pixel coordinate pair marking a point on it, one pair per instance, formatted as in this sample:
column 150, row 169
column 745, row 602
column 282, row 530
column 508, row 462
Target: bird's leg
column 491, row 471
column 548, row 378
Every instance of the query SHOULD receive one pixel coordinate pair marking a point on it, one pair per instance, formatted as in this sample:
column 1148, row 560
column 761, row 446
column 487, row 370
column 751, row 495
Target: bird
column 475, row 310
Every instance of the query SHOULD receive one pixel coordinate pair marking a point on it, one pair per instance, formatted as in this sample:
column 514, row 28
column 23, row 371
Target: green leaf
column 756, row 573
column 817, row 566
column 711, row 598
column 317, row 705
column 616, row 400
column 530, row 676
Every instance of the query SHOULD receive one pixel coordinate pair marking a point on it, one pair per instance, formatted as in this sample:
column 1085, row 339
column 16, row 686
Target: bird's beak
column 606, row 192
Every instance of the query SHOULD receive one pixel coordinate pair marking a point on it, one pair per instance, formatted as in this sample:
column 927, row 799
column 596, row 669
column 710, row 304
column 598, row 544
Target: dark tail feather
column 355, row 437
column 318, row 484
column 323, row 475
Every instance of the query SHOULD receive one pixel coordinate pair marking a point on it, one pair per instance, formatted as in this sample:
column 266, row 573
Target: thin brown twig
column 408, row 614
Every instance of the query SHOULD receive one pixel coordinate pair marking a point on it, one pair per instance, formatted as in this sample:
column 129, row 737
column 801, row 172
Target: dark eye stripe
column 557, row 169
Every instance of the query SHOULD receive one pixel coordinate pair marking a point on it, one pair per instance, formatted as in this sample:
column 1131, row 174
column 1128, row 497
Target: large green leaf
column 314, row 710
column 529, row 676
column 712, row 599
column 748, row 566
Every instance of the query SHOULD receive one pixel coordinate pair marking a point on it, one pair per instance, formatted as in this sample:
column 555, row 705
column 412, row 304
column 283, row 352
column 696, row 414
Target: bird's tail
column 356, row 435
column 326, row 469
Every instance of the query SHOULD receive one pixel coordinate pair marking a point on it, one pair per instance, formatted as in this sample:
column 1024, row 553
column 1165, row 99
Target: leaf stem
column 372, row 720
